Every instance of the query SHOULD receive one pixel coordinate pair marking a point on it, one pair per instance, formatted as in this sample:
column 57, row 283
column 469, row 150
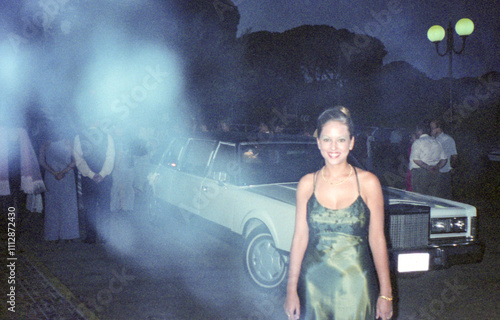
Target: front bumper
column 439, row 256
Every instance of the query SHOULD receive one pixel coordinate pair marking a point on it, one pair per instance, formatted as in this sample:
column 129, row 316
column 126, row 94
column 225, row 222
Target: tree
column 207, row 39
column 313, row 53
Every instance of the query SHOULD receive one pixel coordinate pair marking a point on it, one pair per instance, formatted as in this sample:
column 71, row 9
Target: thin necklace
column 336, row 183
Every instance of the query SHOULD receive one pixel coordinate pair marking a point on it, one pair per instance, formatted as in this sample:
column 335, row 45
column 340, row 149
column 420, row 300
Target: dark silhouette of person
column 94, row 154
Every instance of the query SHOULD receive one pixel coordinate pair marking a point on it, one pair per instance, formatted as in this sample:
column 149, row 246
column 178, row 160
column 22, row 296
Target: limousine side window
column 171, row 156
column 197, row 157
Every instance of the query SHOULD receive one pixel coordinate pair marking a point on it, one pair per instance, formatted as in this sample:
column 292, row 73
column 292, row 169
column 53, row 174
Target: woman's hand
column 384, row 309
column 292, row 305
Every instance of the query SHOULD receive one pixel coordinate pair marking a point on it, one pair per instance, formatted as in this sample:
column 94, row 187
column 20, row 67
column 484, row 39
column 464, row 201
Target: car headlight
column 449, row 225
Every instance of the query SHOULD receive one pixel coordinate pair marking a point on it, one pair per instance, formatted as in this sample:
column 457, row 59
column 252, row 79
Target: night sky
column 98, row 56
column 400, row 24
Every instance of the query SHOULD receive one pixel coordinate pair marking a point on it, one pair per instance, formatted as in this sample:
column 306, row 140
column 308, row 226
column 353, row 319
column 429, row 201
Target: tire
column 264, row 264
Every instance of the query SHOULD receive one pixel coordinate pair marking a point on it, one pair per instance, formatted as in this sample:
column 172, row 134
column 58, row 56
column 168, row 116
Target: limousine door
column 218, row 200
column 193, row 167
column 167, row 171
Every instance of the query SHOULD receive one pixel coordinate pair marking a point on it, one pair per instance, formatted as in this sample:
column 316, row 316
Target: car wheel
column 264, row 264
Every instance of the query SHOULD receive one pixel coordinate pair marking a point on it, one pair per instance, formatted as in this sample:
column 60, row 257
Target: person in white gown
column 61, row 211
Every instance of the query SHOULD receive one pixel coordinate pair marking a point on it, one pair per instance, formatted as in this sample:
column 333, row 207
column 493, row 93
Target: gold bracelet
column 385, row 298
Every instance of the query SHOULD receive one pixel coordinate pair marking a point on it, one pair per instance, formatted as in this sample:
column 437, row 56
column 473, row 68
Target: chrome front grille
column 407, row 226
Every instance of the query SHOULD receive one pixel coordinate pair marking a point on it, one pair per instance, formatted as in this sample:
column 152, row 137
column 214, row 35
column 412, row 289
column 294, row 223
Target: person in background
column 279, row 129
column 122, row 189
column 427, row 157
column 309, row 131
column 224, row 125
column 94, row 153
column 264, row 132
column 264, row 128
column 339, row 246
column 413, row 137
column 61, row 211
column 20, row 174
column 450, row 149
column 36, row 126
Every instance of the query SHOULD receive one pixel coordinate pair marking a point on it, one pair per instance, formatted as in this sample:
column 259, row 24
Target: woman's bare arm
column 374, row 199
column 299, row 245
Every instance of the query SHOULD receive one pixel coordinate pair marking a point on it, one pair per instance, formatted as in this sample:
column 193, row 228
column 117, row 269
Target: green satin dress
column 338, row 271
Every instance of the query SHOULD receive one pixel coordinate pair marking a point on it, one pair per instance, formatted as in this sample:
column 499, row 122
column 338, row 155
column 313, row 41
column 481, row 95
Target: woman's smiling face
column 335, row 142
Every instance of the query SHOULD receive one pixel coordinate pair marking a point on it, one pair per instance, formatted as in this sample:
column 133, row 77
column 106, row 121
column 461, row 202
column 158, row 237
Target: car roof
column 242, row 137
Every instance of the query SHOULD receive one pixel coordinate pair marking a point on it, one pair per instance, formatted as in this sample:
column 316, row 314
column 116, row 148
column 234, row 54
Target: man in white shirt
column 448, row 144
column 427, row 157
column 94, row 154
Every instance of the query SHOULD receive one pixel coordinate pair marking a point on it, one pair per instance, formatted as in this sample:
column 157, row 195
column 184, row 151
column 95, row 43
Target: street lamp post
column 464, row 27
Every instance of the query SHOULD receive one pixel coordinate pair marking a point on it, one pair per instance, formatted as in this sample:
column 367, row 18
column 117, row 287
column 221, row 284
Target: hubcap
column 266, row 261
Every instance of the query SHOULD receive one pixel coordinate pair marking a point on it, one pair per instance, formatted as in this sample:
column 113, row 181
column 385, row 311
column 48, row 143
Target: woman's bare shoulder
column 306, row 183
column 308, row 179
column 366, row 178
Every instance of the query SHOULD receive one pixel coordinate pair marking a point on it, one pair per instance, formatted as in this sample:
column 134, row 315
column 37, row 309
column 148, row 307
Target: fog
column 74, row 64
column 89, row 62
column 79, row 64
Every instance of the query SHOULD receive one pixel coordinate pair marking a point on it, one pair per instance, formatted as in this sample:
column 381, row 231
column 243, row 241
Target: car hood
column 286, row 192
column 280, row 191
column 439, row 206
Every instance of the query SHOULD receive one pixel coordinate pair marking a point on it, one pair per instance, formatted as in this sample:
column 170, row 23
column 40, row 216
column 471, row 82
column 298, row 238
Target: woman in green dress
column 339, row 247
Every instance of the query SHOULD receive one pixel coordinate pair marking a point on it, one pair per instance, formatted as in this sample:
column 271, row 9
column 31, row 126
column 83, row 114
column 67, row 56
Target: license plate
column 413, row 262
